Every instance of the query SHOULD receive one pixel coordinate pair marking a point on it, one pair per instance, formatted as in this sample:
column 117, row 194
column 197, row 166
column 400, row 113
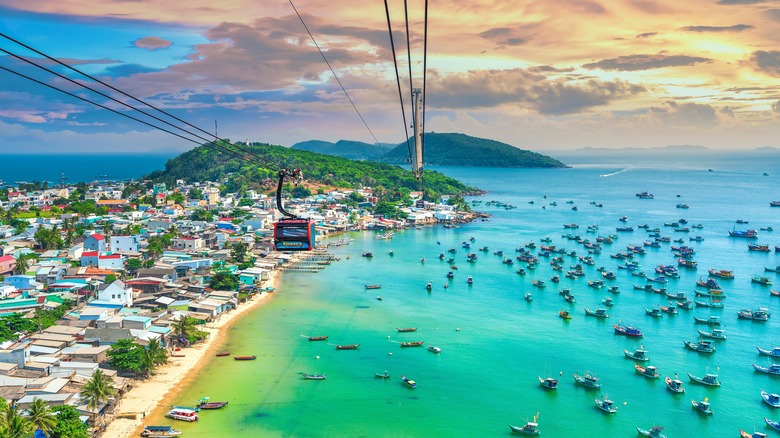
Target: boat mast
column 417, row 156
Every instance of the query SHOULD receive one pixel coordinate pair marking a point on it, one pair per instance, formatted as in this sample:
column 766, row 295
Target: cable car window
column 297, row 231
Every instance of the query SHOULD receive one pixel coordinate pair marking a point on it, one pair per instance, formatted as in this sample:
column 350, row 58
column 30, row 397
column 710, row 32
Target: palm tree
column 98, row 389
column 156, row 352
column 13, row 424
column 40, row 415
column 184, row 329
column 23, row 263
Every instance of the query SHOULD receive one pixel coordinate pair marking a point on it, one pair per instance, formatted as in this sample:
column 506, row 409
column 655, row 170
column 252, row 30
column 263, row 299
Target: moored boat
column 773, row 424
column 223, row 354
column 587, row 380
column 702, row 406
column 627, row 330
column 710, row 320
column 564, row 314
column 348, row 347
column 763, row 281
column 412, row 344
column 655, row 312
column 675, row 385
column 159, row 432
column 721, row 273
column 775, row 352
column 717, row 334
column 640, row 355
column 649, row 371
column 598, row 313
column 700, row 347
column 606, row 405
column 409, row 383
column 406, row 329
column 760, row 314
column 244, row 357
column 655, row 432
column 182, row 414
column 313, row 376
column 528, row 296
column 373, row 286
column 434, row 349
column 548, row 383
column 771, row 399
column 204, row 403
column 747, row 234
column 773, row 369
column 530, row 428
column 708, row 379
column 318, row 338
column 744, row 434
column 384, row 375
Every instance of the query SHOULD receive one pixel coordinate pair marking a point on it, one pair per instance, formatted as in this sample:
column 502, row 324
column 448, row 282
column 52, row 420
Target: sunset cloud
column 645, row 62
column 734, row 28
column 152, row 43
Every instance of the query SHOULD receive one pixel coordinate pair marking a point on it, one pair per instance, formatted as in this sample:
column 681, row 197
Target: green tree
column 202, row 215
column 110, row 278
column 177, row 197
column 133, row 265
column 13, row 424
column 126, row 355
column 238, row 251
column 386, row 209
column 41, row 416
column 97, row 390
column 224, row 281
column 48, row 238
column 23, row 262
column 301, row 192
column 69, row 425
column 156, row 352
column 195, row 193
column 186, row 331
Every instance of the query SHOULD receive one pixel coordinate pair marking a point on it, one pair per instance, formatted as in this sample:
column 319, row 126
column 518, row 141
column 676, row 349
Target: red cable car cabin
column 294, row 235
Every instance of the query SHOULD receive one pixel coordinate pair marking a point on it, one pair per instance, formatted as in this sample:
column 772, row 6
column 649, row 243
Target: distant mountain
column 452, row 149
column 668, row 148
column 354, row 150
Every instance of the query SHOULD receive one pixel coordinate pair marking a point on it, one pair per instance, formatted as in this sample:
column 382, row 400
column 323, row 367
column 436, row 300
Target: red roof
column 89, row 254
column 97, row 236
column 6, row 258
column 112, row 256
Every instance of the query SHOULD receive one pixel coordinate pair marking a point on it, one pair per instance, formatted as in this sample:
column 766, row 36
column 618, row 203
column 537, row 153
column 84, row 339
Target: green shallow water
column 486, row 376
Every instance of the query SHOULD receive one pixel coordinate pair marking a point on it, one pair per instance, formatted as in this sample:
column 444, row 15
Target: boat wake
column 607, row 175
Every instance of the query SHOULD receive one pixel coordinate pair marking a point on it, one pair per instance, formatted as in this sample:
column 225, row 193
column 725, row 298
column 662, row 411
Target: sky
column 542, row 75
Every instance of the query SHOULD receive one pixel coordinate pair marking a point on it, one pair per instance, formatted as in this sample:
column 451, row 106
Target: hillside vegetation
column 354, row 150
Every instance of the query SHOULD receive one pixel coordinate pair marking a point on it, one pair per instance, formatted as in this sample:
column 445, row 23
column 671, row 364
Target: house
column 7, row 265
column 116, row 293
column 95, row 242
column 22, row 282
column 187, row 243
column 124, row 243
column 102, row 261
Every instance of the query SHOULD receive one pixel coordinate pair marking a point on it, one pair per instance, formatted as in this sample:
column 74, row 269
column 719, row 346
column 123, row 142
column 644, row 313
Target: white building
column 117, row 293
column 124, row 243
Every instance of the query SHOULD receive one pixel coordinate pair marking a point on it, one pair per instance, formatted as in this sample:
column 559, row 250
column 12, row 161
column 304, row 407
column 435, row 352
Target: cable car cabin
column 294, row 235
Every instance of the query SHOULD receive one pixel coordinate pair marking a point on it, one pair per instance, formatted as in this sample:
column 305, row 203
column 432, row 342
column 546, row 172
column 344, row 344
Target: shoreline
column 148, row 396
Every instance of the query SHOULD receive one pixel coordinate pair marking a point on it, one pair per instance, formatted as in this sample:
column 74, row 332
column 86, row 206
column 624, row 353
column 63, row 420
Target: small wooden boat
column 528, row 296
column 648, row 371
column 721, row 273
column 717, row 334
column 773, row 369
column 613, row 289
column 223, row 354
column 384, row 375
column 182, row 414
column 159, row 432
column 548, row 383
column 564, row 314
column 313, row 376
column 348, row 347
column 654, row 312
column 204, row 403
column 598, row 313
column 771, row 399
column 708, row 379
column 711, row 320
column 244, row 357
column 318, row 338
column 775, row 352
column 434, row 349
column 530, row 428
column 763, row 281
column 627, row 330
column 700, row 347
column 606, row 405
column 640, row 355
column 773, row 424
column 412, row 344
column 711, row 303
column 409, row 383
column 379, row 297
column 744, row 434
column 702, row 406
column 674, row 385
column 761, row 314
column 373, row 286
column 407, row 329
column 587, row 380
column 655, row 432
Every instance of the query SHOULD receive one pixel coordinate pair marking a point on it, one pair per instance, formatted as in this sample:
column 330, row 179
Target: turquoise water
column 486, row 376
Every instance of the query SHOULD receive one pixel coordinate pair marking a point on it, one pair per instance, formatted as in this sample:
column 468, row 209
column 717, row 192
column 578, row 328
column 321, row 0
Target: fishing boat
column 596, row 284
column 204, row 403
column 700, row 347
column 712, row 293
column 429, row 286
column 434, row 349
column 450, row 274
column 159, row 432
column 406, row 329
column 469, row 280
column 711, row 320
column 775, row 352
column 771, row 369
column 379, row 297
column 717, row 334
column 687, row 304
column 367, row 254
column 671, row 309
column 744, row 434
column 640, row 355
column 708, row 379
column 539, row 283
column 747, row 234
column 721, row 273
column 607, row 302
column 775, row 269
column 348, row 347
column 373, row 286
column 710, row 284
column 758, row 247
column 182, row 414
column 530, row 428
column 598, row 313
column 676, row 296
column 687, row 263
column 313, row 376
column 655, row 432
column 771, row 399
column 702, row 406
column 318, row 338
column 613, row 289
column 548, row 383
column 773, row 424
column 763, row 281
column 711, row 303
column 648, row 371
column 244, row 357
column 409, row 383
column 564, row 314
column 528, row 296
column 587, row 380
column 384, row 375
column 674, row 385
column 223, row 354
column 412, row 344
column 606, row 405
column 761, row 314
column 659, row 279
column 627, row 330
column 655, row 312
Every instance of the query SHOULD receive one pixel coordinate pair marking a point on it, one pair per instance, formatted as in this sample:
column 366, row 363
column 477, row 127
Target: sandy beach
column 148, row 396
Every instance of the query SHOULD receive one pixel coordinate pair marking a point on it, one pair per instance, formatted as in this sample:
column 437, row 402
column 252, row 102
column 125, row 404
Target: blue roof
column 139, row 319
column 160, row 330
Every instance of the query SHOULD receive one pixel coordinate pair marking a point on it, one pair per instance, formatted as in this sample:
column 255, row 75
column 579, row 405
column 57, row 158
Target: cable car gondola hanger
column 292, row 233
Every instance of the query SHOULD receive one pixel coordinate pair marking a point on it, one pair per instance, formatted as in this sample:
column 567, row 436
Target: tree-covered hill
column 209, row 164
column 452, row 149
column 354, row 150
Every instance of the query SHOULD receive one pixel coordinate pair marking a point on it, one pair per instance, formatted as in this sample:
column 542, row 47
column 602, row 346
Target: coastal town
column 104, row 284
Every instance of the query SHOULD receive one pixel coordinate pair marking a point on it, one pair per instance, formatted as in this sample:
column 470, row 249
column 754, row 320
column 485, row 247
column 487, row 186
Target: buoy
column 390, row 354
column 318, row 357
column 388, row 336
column 457, row 329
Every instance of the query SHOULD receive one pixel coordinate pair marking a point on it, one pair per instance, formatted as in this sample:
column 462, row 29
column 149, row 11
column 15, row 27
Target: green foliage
column 49, row 238
column 13, row 424
column 463, row 150
column 195, row 193
column 133, row 265
column 68, row 425
column 97, row 390
column 354, row 150
column 224, row 281
column 245, row 202
column 301, row 192
column 202, row 215
column 41, row 416
column 84, row 208
column 238, row 252
column 386, row 209
column 177, row 197
column 16, row 323
column 126, row 355
column 186, row 331
column 110, row 278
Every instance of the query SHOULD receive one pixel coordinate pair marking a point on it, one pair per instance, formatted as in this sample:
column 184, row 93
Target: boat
column 469, row 280
column 530, row 428
column 412, row 344
column 606, row 405
column 318, row 338
column 182, row 414
column 671, row 309
column 700, row 347
column 539, row 283
column 758, row 247
column 406, row 329
column 742, row 221
column 204, row 403
column 598, row 313
column 244, row 357
column 379, row 297
column 708, row 379
column 434, row 349
column 640, row 355
column 702, row 406
column 564, row 314
column 644, row 195
column 613, row 289
column 682, row 206
column 367, row 254
column 548, row 383
column 587, row 380
column 710, row 284
column 648, row 371
column 721, row 273
column 771, row 369
column 774, row 293
column 710, row 320
column 607, row 302
column 348, row 347
column 711, row 303
column 313, row 376
column 744, row 434
column 429, row 286
column 409, row 383
column 776, row 270
column 712, row 293
column 159, row 432
column 775, row 352
column 373, row 286
column 771, row 399
column 761, row 314
column 747, row 234
column 223, row 354
column 627, row 330
column 764, row 281
column 717, row 334
column 450, row 274
column 773, row 424
column 655, row 312
column 655, row 432
column 384, row 375
column 624, row 229
column 674, row 385
column 528, row 296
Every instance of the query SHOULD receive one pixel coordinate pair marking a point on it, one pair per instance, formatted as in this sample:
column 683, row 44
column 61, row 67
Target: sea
column 495, row 344
column 78, row 167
